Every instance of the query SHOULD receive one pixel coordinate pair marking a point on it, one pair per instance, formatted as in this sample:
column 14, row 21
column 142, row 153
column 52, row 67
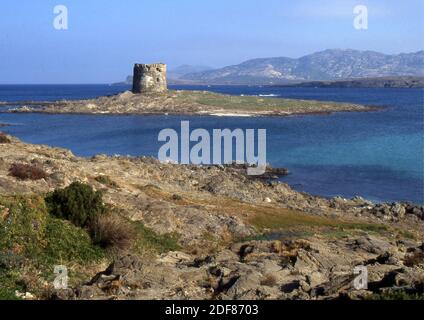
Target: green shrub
column 78, row 203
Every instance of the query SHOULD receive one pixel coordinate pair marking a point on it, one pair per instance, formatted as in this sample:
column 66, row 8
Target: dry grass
column 26, row 172
column 112, row 232
column 264, row 217
column 158, row 193
column 281, row 219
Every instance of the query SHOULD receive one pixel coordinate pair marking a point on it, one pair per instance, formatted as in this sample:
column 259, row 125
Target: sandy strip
column 231, row 114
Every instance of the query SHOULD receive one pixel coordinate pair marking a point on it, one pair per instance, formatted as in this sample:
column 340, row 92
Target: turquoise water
column 378, row 155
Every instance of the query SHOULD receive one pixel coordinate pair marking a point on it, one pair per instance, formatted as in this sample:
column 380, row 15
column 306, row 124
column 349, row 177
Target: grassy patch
column 29, row 231
column 32, row 242
column 69, row 243
column 290, row 219
column 405, row 234
column 268, row 218
column 147, row 239
column 23, row 225
column 9, row 280
column 252, row 103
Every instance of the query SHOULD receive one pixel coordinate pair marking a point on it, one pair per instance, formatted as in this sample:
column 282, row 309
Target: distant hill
column 128, row 81
column 184, row 69
column 334, row 64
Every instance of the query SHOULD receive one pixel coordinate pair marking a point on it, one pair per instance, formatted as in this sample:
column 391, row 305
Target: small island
column 150, row 96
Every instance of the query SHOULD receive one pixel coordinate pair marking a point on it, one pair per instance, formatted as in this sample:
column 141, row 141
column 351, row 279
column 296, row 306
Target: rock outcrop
column 240, row 237
column 291, row 269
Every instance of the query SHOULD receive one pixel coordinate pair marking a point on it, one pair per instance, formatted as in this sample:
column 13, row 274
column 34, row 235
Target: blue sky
column 105, row 38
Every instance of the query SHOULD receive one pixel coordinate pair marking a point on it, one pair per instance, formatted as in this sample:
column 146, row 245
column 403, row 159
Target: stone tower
column 149, row 78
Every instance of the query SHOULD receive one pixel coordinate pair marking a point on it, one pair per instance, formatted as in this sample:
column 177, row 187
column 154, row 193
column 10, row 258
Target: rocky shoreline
column 379, row 82
column 185, row 102
column 238, row 237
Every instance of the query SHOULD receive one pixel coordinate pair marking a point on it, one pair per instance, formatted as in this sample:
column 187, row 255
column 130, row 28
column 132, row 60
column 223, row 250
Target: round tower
column 149, row 78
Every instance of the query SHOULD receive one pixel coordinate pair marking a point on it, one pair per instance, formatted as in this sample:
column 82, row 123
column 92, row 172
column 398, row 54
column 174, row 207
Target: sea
column 377, row 155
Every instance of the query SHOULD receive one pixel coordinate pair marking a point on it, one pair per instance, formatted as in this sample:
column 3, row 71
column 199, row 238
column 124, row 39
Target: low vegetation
column 29, row 232
column 78, row 203
column 112, row 232
column 32, row 242
column 253, row 103
column 286, row 219
column 71, row 227
column 67, row 242
column 9, row 280
column 23, row 171
column 147, row 239
column 268, row 219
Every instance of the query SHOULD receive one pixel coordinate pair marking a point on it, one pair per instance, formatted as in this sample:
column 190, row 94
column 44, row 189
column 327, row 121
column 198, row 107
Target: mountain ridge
column 329, row 64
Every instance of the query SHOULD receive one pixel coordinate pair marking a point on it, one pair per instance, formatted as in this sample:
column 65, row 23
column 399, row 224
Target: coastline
column 200, row 114
column 224, row 219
